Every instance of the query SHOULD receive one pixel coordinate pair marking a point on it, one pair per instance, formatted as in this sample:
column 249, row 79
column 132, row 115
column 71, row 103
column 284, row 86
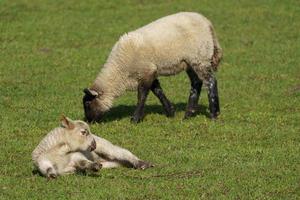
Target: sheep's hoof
column 214, row 116
column 143, row 165
column 135, row 119
column 189, row 113
column 171, row 112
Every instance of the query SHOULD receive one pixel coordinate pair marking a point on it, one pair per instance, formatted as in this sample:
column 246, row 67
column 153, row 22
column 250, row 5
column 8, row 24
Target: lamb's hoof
column 51, row 176
column 143, row 165
column 96, row 166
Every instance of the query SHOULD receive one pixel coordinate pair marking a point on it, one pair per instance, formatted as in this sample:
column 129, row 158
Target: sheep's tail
column 218, row 52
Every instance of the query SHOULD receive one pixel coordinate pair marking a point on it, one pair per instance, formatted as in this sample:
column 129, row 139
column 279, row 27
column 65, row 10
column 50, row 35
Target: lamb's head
column 78, row 135
column 94, row 105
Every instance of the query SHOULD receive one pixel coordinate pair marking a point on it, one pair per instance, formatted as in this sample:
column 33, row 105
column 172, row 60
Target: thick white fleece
column 164, row 47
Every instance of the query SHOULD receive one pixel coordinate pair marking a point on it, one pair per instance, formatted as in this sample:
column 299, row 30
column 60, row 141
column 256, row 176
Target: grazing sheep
column 180, row 42
column 72, row 148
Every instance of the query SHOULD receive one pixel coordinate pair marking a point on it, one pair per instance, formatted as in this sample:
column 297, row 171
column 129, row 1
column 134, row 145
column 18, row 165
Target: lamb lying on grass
column 181, row 42
column 72, row 148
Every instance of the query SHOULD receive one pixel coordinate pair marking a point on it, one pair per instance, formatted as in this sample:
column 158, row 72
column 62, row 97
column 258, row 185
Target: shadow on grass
column 36, row 172
column 123, row 111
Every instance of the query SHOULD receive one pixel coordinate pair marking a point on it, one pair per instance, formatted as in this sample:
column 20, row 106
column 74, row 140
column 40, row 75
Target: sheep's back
column 174, row 38
column 169, row 31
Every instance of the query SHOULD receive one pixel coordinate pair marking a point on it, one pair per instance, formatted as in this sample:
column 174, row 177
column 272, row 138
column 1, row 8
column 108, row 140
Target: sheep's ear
column 67, row 123
column 91, row 92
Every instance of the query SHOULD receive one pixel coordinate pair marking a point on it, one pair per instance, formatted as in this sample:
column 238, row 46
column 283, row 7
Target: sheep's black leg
column 143, row 92
column 159, row 93
column 196, row 85
column 213, row 98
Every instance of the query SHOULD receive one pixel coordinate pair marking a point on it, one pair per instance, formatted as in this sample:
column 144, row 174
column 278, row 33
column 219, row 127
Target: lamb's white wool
column 67, row 149
column 52, row 139
column 164, row 47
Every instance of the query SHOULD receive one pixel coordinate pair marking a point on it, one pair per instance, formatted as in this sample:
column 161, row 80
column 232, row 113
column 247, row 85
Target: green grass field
column 51, row 50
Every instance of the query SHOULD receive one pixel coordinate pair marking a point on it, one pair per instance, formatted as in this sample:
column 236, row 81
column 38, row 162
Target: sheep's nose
column 93, row 145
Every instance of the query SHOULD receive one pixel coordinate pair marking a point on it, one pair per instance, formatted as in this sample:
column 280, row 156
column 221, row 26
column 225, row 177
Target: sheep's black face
column 91, row 105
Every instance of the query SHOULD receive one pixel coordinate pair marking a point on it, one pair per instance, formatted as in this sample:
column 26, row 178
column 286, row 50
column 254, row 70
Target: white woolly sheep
column 72, row 147
column 167, row 46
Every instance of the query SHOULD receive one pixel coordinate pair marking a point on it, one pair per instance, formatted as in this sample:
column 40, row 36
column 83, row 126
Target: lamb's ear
column 67, row 123
column 91, row 92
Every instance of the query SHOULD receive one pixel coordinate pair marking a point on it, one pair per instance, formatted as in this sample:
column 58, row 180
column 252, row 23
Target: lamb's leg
column 195, row 91
column 81, row 163
column 159, row 93
column 213, row 97
column 78, row 162
column 114, row 153
column 84, row 165
column 46, row 167
column 110, row 164
column 143, row 92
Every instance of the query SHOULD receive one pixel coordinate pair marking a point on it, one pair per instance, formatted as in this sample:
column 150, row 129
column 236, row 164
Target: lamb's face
column 78, row 134
column 92, row 105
